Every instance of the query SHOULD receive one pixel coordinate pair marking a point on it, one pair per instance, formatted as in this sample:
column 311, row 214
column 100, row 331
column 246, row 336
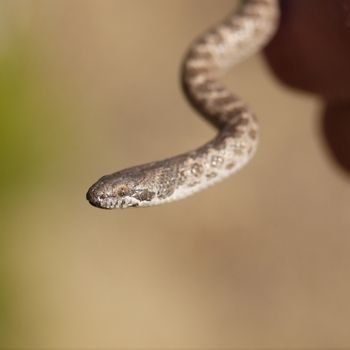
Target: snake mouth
column 105, row 201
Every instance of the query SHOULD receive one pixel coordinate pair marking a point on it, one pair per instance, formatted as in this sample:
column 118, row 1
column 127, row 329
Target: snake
column 245, row 31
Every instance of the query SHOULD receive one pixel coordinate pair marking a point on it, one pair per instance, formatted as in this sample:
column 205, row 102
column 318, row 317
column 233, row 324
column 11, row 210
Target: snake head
column 123, row 189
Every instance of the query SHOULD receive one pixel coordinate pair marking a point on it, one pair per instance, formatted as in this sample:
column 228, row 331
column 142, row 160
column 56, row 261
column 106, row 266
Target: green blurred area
column 21, row 159
column 28, row 143
column 24, row 146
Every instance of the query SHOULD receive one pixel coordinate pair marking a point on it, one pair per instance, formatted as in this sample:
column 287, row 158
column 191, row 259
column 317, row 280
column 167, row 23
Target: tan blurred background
column 260, row 260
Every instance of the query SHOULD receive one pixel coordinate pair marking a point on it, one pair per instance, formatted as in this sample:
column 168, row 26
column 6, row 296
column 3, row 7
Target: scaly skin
column 240, row 35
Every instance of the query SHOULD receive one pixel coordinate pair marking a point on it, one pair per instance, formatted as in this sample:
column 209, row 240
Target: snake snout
column 100, row 198
column 92, row 197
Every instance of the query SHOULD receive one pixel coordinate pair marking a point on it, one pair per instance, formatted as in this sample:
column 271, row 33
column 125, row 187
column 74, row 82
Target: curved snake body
column 240, row 35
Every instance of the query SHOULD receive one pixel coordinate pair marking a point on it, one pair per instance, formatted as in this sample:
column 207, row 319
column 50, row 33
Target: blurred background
column 260, row 260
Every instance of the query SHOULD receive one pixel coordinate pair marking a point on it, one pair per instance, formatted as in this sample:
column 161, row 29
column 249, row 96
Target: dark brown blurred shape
column 311, row 52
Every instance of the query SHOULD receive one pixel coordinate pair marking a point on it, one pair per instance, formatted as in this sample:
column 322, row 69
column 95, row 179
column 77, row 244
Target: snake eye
column 122, row 191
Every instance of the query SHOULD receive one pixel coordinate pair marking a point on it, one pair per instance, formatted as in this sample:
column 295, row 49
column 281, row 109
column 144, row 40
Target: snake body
column 240, row 35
